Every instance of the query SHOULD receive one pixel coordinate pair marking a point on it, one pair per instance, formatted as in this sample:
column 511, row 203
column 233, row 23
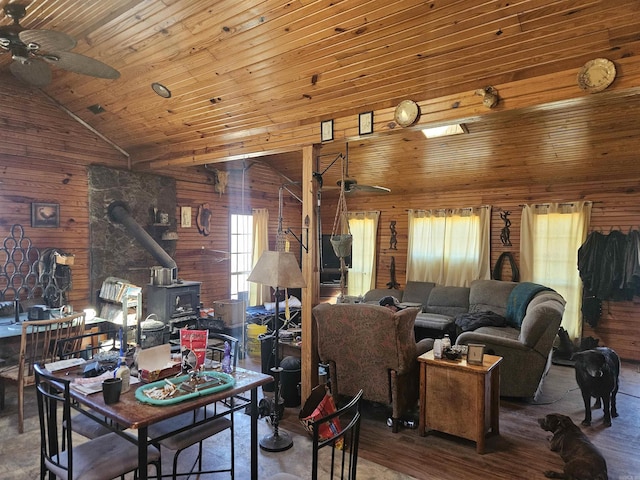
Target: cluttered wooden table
column 132, row 412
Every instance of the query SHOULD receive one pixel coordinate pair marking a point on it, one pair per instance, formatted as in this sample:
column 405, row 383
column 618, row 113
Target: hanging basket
column 342, row 245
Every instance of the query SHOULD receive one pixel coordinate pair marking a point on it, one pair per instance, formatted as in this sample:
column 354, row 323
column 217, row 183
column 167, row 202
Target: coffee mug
column 111, row 388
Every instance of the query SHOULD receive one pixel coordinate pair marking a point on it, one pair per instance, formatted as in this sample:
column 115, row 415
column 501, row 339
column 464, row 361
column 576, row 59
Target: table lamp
column 278, row 270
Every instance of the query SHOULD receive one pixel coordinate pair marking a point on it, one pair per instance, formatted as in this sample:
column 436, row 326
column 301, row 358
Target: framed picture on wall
column 45, row 215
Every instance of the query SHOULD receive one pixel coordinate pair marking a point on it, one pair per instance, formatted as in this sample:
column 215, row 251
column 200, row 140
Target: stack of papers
column 62, row 364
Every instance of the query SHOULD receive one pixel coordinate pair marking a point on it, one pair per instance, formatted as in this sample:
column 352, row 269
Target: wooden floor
column 521, row 450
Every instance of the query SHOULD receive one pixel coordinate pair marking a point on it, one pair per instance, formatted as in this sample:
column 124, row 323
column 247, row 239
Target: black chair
column 181, row 432
column 86, row 346
column 345, row 427
column 106, row 457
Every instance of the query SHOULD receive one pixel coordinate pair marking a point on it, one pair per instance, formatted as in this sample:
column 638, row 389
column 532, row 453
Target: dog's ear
column 564, row 421
column 577, row 355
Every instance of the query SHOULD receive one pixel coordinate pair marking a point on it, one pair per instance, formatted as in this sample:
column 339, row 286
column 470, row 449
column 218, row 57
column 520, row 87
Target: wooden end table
column 458, row 398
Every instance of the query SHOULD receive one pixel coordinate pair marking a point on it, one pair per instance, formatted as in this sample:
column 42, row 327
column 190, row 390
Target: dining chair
column 109, row 456
column 40, row 342
column 344, row 425
column 181, row 432
column 89, row 344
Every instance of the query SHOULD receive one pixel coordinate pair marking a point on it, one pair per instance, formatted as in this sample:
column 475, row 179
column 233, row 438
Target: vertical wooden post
column 309, row 351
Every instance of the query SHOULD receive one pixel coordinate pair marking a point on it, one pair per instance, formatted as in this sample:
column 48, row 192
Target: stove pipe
column 119, row 213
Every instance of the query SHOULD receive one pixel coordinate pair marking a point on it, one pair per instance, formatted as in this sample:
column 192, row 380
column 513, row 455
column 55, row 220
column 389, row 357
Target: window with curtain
column 362, row 274
column 550, row 236
column 258, row 293
column 449, row 246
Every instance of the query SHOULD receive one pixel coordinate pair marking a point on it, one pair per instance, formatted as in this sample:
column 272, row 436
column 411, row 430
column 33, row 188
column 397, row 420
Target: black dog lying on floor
column 582, row 459
column 597, row 372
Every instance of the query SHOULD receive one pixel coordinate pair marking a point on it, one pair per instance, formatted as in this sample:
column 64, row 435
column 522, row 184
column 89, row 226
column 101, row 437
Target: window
column 448, row 247
column 362, row 274
column 241, row 254
column 551, row 235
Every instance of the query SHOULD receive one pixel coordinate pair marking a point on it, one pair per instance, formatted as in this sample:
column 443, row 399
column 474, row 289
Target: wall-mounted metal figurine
column 393, row 283
column 504, row 233
column 393, row 241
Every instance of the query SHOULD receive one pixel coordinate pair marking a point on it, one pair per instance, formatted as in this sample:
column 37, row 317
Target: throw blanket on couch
column 466, row 322
column 519, row 299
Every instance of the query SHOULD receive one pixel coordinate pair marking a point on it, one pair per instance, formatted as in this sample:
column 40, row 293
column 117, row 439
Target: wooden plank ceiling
column 252, row 80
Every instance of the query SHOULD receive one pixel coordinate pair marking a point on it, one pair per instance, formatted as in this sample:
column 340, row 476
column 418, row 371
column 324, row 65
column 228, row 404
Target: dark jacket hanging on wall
column 608, row 265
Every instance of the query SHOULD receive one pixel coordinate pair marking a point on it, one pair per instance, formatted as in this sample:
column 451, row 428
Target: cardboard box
column 231, row 312
column 156, row 363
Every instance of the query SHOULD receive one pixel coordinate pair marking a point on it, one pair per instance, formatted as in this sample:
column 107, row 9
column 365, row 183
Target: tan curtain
column 362, row 274
column 258, row 293
column 449, row 246
column 550, row 236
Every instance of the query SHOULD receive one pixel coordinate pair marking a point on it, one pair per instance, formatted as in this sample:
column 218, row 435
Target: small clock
column 407, row 113
column 475, row 354
column 326, row 131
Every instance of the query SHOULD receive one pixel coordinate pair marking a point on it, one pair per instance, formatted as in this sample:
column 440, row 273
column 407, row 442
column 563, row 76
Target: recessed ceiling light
column 161, row 90
column 445, row 130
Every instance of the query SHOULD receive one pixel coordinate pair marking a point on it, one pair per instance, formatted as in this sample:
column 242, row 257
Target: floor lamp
column 278, row 270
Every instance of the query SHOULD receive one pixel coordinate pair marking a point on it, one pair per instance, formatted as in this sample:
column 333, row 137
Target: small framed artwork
column 475, row 354
column 45, row 215
column 185, row 217
column 365, row 123
column 326, row 130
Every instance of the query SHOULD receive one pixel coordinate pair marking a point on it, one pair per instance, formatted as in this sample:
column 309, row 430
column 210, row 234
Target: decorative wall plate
column 596, row 75
column 407, row 113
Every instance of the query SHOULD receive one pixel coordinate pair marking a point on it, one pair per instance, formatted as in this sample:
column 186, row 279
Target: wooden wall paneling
column 618, row 327
column 205, row 258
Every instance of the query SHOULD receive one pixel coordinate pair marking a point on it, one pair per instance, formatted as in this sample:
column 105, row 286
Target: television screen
column 329, row 257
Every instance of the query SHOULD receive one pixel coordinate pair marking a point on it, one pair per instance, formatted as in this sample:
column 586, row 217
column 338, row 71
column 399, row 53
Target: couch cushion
column 375, row 295
column 490, row 296
column 541, row 320
column 434, row 321
column 417, row 292
column 519, row 299
column 448, row 300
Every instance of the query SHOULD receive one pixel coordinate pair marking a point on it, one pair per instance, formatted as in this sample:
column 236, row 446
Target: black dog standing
column 597, row 372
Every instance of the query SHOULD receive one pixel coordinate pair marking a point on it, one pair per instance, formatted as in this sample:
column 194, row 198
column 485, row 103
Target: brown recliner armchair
column 371, row 348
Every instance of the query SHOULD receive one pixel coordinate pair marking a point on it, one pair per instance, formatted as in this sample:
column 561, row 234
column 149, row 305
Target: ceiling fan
column 351, row 185
column 33, row 50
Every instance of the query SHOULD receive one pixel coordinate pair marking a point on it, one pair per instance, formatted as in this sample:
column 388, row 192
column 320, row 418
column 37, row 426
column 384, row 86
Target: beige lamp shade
column 278, row 270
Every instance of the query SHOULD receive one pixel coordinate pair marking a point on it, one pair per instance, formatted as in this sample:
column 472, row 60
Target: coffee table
column 458, row 398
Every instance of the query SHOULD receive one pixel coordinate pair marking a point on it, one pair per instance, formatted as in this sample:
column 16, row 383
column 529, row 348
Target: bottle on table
column 124, row 373
column 226, row 358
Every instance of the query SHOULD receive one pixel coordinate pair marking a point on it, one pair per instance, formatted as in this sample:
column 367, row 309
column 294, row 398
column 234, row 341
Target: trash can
column 290, row 378
column 267, row 358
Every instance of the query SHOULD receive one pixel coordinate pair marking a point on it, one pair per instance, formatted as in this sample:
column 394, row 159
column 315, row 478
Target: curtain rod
column 562, row 203
column 447, row 208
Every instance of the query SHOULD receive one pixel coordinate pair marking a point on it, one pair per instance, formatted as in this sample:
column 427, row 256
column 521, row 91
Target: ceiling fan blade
column 34, row 72
column 369, row 188
column 77, row 63
column 47, row 40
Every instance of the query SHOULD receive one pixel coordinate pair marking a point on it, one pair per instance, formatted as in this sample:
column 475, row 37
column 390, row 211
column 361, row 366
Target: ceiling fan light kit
column 33, row 50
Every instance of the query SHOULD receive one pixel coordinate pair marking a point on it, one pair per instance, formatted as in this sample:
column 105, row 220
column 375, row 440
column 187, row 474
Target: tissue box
column 156, row 363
